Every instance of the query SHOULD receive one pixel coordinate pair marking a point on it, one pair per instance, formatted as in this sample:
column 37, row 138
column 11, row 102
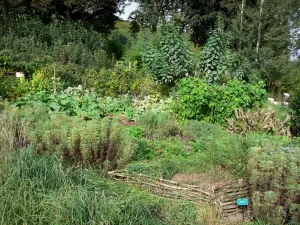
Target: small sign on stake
column 243, row 203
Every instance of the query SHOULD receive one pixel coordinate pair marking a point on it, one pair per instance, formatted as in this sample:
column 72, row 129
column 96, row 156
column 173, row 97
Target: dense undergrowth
column 43, row 190
column 156, row 144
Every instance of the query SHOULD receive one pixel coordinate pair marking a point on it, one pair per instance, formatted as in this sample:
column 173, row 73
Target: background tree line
column 264, row 32
column 257, row 37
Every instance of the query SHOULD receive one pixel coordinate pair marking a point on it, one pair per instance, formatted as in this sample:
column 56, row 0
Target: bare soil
column 211, row 181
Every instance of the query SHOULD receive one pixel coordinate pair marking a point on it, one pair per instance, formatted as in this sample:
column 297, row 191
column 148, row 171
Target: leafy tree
column 260, row 30
column 7, row 6
column 199, row 16
column 99, row 14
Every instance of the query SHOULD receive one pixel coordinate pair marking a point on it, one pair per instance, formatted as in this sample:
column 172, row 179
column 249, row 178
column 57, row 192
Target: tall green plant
column 169, row 58
column 217, row 63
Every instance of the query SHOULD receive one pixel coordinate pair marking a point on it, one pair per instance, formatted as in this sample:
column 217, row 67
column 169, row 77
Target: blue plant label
column 242, row 202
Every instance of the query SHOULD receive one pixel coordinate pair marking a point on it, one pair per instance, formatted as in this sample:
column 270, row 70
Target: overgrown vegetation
column 180, row 90
column 48, row 191
column 274, row 182
column 264, row 120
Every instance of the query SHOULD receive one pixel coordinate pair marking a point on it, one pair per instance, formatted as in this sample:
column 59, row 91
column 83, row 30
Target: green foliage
column 137, row 131
column 260, row 31
column 201, row 147
column 84, row 105
column 217, row 63
column 169, row 148
column 295, row 112
column 158, row 125
column 274, row 183
column 291, row 80
column 194, row 130
column 153, row 103
column 122, row 79
column 103, row 142
column 101, row 18
column 120, row 39
column 46, row 190
column 12, row 131
column 144, row 151
column 197, row 16
column 198, row 100
column 68, row 48
column 134, row 52
column 169, row 58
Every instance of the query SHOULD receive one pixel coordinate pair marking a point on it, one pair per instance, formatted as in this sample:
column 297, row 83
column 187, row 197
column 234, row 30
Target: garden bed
column 222, row 196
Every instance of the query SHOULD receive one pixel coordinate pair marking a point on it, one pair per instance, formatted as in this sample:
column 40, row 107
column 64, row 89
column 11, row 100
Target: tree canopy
column 98, row 14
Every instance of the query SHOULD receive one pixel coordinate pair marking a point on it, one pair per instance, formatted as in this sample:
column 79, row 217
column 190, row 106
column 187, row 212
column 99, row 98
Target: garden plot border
column 222, row 198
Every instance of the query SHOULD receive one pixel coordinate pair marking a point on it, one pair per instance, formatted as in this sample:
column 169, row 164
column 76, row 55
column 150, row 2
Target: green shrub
column 295, row 112
column 198, row 100
column 137, row 131
column 144, row 151
column 158, row 125
column 116, row 81
column 8, row 87
column 169, row 168
column 274, row 183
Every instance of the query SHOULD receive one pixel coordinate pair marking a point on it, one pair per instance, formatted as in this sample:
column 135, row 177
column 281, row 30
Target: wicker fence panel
column 224, row 198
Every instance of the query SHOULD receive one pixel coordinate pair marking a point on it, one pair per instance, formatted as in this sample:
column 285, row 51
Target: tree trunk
column 69, row 14
column 259, row 27
column 242, row 23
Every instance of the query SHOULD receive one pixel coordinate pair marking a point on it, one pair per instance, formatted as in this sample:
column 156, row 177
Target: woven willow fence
column 223, row 198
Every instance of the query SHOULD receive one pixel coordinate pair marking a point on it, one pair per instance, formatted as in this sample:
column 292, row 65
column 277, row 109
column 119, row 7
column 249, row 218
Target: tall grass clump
column 41, row 190
column 12, row 132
